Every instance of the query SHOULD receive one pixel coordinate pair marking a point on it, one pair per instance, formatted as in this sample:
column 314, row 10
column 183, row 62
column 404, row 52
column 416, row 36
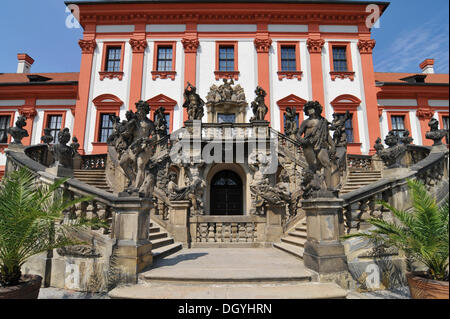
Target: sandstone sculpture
column 258, row 106
column 435, row 133
column 193, row 103
column 18, row 132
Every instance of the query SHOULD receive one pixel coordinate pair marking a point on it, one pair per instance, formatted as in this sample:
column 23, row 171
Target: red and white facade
column 256, row 33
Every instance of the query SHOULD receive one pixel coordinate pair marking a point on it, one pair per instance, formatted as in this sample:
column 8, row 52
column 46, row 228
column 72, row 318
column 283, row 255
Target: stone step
column 300, row 234
column 358, row 179
column 291, row 249
column 301, row 228
column 153, row 236
column 162, row 242
column 300, row 242
column 164, row 251
column 306, row 290
column 154, row 229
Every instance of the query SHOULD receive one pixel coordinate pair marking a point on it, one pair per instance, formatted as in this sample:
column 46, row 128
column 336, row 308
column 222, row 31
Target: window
column 164, row 65
column 226, row 58
column 348, row 127
column 113, row 59
column 106, row 127
column 398, row 125
column 296, row 118
column 288, row 60
column 226, row 118
column 165, row 58
column 54, row 123
column 4, row 125
column 339, row 59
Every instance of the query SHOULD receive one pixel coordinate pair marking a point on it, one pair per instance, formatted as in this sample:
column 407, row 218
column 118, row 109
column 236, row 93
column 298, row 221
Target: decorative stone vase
column 423, row 288
column 28, row 288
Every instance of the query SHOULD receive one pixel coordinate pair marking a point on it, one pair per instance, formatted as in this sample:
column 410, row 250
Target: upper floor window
column 340, row 59
column 288, row 58
column 226, row 58
column 165, row 55
column 113, row 59
column 398, row 125
column 54, row 123
column 4, row 125
column 106, row 127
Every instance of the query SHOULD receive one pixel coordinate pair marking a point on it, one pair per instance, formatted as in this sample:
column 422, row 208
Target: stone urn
column 424, row 288
column 28, row 288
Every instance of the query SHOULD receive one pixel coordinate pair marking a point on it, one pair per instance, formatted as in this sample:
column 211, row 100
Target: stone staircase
column 94, row 178
column 162, row 244
column 359, row 178
column 228, row 273
column 295, row 240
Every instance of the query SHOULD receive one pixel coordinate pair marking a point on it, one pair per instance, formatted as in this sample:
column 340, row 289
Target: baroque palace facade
column 162, row 78
column 296, row 51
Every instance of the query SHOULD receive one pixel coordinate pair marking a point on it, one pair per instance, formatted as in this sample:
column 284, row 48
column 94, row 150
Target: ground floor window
column 54, row 123
column 348, row 127
column 398, row 125
column 4, row 125
column 106, row 127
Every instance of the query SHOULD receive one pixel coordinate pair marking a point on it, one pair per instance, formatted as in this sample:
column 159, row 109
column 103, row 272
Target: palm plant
column 422, row 234
column 30, row 222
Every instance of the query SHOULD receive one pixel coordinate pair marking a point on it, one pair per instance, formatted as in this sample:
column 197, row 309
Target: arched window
column 106, row 105
column 167, row 103
column 291, row 101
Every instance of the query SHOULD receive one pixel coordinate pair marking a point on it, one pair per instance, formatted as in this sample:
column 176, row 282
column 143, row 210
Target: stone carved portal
column 226, row 194
column 226, row 103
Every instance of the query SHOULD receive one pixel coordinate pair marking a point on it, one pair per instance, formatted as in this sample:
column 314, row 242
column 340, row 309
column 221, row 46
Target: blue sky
column 410, row 31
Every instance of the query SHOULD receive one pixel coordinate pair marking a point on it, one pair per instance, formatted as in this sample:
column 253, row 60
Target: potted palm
column 423, row 234
column 30, row 223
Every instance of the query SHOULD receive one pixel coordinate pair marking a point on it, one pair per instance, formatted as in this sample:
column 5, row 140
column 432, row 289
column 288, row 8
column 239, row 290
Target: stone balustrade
column 92, row 162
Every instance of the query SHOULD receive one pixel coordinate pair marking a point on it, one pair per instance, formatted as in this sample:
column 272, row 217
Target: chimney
column 24, row 63
column 427, row 66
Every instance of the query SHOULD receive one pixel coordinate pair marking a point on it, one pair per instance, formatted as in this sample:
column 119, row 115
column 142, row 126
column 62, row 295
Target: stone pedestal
column 179, row 215
column 274, row 229
column 324, row 252
column 131, row 230
column 60, row 171
column 16, row 148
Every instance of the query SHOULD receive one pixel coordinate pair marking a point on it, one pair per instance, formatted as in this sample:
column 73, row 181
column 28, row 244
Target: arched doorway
column 226, row 194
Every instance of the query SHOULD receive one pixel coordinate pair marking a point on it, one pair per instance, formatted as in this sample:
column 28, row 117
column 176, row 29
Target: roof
column 24, row 78
column 385, row 77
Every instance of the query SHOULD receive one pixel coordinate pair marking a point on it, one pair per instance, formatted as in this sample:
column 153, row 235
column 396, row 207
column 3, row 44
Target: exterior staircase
column 162, row 244
column 359, row 178
column 295, row 240
column 94, row 178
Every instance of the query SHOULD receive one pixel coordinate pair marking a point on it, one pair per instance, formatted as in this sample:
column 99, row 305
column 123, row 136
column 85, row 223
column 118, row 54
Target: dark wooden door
column 226, row 194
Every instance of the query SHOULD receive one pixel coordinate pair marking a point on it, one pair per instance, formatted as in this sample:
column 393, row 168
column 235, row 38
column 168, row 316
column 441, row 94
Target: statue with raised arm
column 193, row 103
column 318, row 147
column 258, row 106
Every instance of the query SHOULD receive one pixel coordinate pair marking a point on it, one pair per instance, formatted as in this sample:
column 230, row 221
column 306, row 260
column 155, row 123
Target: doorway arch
column 226, row 194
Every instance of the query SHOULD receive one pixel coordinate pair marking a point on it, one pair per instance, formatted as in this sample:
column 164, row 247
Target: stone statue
column 318, row 147
column 258, row 163
column 406, row 139
column 18, row 132
column 238, row 94
column 435, row 133
column 193, row 103
column 147, row 187
column 196, row 189
column 62, row 153
column 47, row 138
column 176, row 193
column 290, row 123
column 340, row 141
column 378, row 146
column 393, row 155
column 160, row 123
column 258, row 106
column 75, row 145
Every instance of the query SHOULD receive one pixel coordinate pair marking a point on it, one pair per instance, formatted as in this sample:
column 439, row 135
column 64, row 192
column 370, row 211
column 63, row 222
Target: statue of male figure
column 317, row 144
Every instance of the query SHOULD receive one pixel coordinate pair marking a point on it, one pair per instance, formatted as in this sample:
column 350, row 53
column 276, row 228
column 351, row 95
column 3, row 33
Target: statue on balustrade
column 319, row 148
column 62, row 153
column 378, row 146
column 435, row 133
column 258, row 106
column 392, row 156
column 47, row 138
column 340, row 140
column 406, row 139
column 196, row 186
column 290, row 122
column 18, row 132
column 193, row 103
column 177, row 193
column 160, row 123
